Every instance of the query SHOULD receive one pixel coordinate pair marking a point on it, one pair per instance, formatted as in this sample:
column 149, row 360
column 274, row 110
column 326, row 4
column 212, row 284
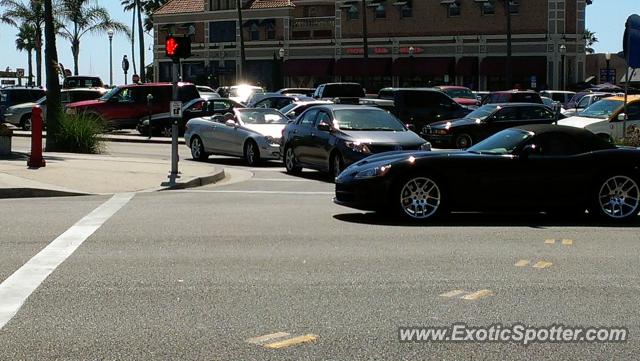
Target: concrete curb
column 9, row 193
column 118, row 139
column 196, row 182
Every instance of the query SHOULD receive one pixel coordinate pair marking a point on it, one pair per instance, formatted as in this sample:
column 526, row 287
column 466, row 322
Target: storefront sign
column 405, row 50
column 360, row 51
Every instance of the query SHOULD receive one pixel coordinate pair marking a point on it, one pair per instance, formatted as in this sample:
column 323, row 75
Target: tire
column 25, row 122
column 336, row 164
column 166, row 131
column 197, row 149
column 251, row 153
column 616, row 197
column 463, row 141
column 289, row 161
column 418, row 198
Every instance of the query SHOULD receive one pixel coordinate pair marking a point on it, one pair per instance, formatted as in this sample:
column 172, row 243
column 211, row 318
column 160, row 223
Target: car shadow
column 532, row 220
column 239, row 162
column 313, row 175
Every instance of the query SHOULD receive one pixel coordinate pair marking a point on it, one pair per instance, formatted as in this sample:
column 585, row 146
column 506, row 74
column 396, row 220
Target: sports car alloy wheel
column 463, row 141
column 619, row 197
column 251, row 153
column 290, row 161
column 420, row 198
column 197, row 149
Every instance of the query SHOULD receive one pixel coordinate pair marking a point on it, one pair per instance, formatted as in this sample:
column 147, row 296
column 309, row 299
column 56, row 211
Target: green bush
column 79, row 134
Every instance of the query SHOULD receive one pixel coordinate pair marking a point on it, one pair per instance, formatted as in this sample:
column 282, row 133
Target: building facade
column 410, row 42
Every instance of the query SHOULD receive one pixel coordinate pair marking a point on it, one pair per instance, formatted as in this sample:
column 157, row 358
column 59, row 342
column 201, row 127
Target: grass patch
column 79, row 134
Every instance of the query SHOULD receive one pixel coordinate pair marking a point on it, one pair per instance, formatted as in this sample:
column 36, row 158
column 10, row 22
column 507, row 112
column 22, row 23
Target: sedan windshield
column 483, row 112
column 503, row 142
column 110, row 93
column 262, row 116
column 602, row 109
column 287, row 108
column 460, row 93
column 366, row 119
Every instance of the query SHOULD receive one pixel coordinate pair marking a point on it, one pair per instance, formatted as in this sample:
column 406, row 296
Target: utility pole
column 365, row 45
column 243, row 57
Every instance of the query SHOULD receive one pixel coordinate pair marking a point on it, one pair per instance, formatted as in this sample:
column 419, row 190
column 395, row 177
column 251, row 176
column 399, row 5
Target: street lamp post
column 607, row 57
column 242, row 52
column 110, row 34
column 563, row 52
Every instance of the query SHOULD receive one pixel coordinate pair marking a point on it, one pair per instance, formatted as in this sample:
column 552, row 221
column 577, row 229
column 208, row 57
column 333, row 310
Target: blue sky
column 605, row 19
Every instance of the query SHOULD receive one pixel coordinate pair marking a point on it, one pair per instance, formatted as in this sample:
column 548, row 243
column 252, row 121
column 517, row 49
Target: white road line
column 280, row 180
column 15, row 290
column 252, row 192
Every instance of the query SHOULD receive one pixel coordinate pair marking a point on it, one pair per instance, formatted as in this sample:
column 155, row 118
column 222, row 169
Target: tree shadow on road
column 239, row 162
column 532, row 220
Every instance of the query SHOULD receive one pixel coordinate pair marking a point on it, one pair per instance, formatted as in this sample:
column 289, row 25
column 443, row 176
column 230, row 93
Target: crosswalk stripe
column 477, row 295
column 262, row 339
column 291, row 342
column 452, row 293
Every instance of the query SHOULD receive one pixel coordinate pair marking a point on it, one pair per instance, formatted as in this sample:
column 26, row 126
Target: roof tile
column 181, row 6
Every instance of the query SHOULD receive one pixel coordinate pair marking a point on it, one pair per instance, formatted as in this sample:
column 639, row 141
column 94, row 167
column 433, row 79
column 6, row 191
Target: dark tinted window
column 529, row 113
column 418, row 99
column 526, row 98
column 507, row 114
column 308, row 118
column 323, row 117
column 188, row 92
column 83, row 95
column 633, row 111
column 343, row 91
column 556, row 144
column 222, row 31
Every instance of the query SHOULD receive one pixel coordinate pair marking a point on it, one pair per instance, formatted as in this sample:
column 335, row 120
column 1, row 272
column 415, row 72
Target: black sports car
column 539, row 168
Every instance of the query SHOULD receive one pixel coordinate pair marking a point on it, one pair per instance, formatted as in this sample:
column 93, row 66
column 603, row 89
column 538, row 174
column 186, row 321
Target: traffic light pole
column 174, row 124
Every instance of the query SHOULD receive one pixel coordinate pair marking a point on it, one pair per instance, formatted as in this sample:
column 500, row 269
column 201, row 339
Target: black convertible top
column 586, row 138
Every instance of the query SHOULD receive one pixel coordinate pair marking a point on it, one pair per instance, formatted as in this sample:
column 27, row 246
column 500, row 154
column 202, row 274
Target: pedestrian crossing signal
column 178, row 47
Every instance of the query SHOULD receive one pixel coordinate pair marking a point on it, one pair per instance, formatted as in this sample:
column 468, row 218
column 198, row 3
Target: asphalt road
column 193, row 275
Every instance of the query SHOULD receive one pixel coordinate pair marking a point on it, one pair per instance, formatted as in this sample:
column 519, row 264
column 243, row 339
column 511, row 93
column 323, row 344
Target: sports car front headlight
column 358, row 147
column 373, row 172
column 272, row 140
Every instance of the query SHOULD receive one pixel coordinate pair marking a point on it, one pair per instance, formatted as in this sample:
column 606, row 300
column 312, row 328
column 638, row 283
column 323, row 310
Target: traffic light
column 177, row 47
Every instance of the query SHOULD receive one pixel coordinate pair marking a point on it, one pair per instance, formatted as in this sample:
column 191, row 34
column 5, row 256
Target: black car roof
column 583, row 136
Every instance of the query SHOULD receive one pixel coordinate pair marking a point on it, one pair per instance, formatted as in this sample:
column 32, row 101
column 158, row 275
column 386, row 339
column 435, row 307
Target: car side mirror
column 325, row 127
column 528, row 150
column 231, row 123
column 622, row 117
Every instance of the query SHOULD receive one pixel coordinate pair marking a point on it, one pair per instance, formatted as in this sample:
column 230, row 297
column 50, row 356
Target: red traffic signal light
column 177, row 47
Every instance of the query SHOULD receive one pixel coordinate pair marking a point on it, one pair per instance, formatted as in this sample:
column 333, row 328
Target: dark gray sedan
column 331, row 137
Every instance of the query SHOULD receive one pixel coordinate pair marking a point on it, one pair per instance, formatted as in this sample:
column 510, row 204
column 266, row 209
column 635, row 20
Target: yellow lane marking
column 261, row 339
column 567, row 242
column 291, row 342
column 549, row 241
column 452, row 293
column 542, row 264
column 522, row 263
column 477, row 295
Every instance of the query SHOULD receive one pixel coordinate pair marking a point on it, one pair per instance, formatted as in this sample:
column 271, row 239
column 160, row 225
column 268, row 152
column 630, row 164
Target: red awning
column 356, row 67
column 423, row 66
column 520, row 65
column 308, row 67
column 467, row 66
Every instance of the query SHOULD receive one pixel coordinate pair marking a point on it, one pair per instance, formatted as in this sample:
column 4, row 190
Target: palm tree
column 591, row 39
column 82, row 17
column 26, row 40
column 54, row 107
column 31, row 13
column 131, row 5
column 138, row 7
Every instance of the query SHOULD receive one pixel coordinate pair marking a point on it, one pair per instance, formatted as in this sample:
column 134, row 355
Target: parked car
column 161, row 124
column 605, row 117
column 585, row 102
column 346, row 93
column 274, row 100
column 18, row 95
column 562, row 96
column 461, row 95
column 297, row 91
column 124, row 106
column 484, row 122
column 82, row 81
column 296, row 108
column 20, row 115
column 512, row 96
column 418, row 107
column 207, row 92
column 480, row 95
column 251, row 133
column 331, row 137
column 537, row 168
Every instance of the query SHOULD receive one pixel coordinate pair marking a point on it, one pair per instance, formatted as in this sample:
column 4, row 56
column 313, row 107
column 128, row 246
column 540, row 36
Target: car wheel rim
column 250, row 153
column 289, row 159
column 420, row 198
column 27, row 124
column 166, row 131
column 336, row 165
column 619, row 197
column 195, row 148
column 463, row 142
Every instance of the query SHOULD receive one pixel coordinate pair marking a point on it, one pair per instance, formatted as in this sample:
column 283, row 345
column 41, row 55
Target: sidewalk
column 127, row 137
column 82, row 174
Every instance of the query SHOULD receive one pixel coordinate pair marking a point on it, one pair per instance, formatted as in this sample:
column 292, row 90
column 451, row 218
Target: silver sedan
column 251, row 133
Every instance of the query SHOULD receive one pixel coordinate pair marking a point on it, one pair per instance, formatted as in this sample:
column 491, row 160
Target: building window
column 380, row 11
column 353, row 13
column 514, row 7
column 453, row 9
column 222, row 31
column 271, row 32
column 488, row 8
column 406, row 11
column 312, row 11
column 254, row 32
